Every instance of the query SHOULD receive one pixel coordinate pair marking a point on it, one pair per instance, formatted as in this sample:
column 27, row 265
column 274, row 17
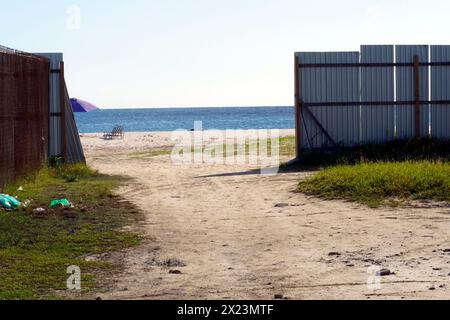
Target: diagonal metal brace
column 317, row 122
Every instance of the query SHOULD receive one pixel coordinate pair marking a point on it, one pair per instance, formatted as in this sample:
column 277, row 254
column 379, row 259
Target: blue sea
column 142, row 120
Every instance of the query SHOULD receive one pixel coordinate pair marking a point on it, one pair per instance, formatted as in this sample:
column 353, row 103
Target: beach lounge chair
column 117, row 132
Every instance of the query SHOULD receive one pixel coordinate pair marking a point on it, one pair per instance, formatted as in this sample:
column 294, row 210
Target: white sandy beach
column 135, row 141
column 247, row 236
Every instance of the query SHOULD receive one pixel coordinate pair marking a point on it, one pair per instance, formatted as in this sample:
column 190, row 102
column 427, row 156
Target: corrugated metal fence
column 373, row 96
column 64, row 139
column 24, row 113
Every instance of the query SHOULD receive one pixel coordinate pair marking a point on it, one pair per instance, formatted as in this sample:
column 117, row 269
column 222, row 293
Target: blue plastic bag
column 8, row 202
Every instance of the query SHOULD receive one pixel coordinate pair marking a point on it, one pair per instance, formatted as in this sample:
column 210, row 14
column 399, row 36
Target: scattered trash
column 26, row 203
column 39, row 211
column 8, row 202
column 20, row 189
column 279, row 297
column 61, row 203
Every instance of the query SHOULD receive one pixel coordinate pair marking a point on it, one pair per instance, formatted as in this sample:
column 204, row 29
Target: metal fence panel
column 75, row 153
column 405, row 90
column 377, row 84
column 55, row 142
column 74, row 149
column 329, row 85
column 440, row 90
column 343, row 85
column 312, row 89
column 329, row 82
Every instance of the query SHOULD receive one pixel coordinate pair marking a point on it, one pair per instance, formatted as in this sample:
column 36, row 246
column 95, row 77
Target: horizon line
column 194, row 107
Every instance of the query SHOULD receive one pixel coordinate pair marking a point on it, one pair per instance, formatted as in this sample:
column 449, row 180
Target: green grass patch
column 263, row 147
column 35, row 250
column 286, row 147
column 377, row 183
column 151, row 153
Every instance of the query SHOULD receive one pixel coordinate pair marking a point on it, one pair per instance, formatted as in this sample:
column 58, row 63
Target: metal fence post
column 417, row 96
column 62, row 90
column 298, row 109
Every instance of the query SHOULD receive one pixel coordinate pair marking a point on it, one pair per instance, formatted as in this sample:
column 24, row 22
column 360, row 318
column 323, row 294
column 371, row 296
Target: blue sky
column 160, row 53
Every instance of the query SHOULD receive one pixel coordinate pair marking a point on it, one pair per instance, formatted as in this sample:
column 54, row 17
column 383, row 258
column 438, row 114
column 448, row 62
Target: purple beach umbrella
column 82, row 106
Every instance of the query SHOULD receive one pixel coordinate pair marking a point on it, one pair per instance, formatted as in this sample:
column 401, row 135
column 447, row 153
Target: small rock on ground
column 175, row 272
column 384, row 273
column 334, row 254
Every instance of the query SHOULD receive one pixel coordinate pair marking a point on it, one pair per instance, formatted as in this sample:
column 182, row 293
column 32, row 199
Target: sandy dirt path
column 241, row 235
